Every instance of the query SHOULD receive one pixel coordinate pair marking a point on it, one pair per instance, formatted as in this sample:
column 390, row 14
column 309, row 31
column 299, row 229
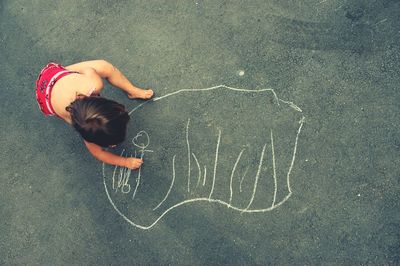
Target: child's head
column 99, row 120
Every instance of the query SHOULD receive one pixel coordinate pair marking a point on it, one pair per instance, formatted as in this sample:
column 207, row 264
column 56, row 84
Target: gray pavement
column 338, row 60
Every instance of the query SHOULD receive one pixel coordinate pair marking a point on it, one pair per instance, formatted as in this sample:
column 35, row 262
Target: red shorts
column 49, row 75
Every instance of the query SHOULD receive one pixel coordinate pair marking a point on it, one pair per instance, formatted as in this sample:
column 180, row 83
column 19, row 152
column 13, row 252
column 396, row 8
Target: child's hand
column 133, row 163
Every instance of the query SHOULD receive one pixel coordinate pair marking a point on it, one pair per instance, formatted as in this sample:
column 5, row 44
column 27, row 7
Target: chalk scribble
column 190, row 159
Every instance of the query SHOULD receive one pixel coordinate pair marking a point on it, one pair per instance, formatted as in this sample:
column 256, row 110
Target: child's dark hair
column 99, row 120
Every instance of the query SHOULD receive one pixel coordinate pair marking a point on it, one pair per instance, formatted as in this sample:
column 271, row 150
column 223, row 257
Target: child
column 73, row 94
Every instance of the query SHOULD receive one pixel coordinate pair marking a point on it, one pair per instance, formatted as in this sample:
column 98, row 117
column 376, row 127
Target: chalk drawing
column 172, row 183
column 230, row 176
column 215, row 164
column 199, row 170
column 242, row 179
column 233, row 172
column 138, row 142
column 257, row 177
column 274, row 168
column 205, row 176
column 123, row 179
column 188, row 150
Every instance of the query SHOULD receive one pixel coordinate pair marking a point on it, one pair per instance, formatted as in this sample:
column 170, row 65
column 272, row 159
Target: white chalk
column 118, row 180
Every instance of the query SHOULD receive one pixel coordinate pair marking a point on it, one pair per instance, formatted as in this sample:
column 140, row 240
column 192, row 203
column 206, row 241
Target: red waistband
column 49, row 75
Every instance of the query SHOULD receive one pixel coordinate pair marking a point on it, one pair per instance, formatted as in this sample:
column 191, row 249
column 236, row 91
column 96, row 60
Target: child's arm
column 106, row 70
column 110, row 158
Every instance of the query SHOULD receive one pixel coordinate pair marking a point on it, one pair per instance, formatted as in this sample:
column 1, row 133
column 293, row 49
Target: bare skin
column 89, row 80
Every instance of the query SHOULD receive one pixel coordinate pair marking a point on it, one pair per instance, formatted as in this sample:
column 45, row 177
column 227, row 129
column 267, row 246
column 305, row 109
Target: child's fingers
column 134, row 163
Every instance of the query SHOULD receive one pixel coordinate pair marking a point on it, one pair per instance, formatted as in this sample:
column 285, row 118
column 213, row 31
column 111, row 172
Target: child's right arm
column 110, row 158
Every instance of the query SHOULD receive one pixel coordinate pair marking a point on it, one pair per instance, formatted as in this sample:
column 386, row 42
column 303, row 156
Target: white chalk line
column 142, row 149
column 291, row 104
column 170, row 187
column 209, row 199
column 140, row 105
column 208, row 89
column 115, row 171
column 232, row 174
column 188, row 150
column 257, row 177
column 379, row 22
column 119, row 180
column 123, row 178
column 215, row 164
column 199, row 170
column 137, row 184
column 301, row 122
column 126, row 187
column 242, row 179
column 274, row 168
column 205, row 176
column 214, row 88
